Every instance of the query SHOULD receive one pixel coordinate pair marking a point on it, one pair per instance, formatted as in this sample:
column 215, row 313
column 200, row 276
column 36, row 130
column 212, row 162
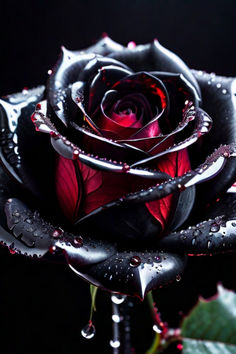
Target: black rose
column 132, row 185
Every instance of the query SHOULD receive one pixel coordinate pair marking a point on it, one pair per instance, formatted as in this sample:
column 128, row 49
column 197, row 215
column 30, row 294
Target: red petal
column 68, row 189
column 175, row 164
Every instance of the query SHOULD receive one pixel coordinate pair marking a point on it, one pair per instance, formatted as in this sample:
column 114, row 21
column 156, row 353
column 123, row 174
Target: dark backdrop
column 42, row 307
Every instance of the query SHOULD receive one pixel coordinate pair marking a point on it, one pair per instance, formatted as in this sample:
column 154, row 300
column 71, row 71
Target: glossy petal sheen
column 102, row 187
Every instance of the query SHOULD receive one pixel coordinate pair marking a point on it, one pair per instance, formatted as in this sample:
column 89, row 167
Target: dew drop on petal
column 57, row 233
column 197, row 233
column 215, row 228
column 88, row 331
column 78, row 241
column 52, row 249
column 135, row 261
column 131, row 45
column 11, row 250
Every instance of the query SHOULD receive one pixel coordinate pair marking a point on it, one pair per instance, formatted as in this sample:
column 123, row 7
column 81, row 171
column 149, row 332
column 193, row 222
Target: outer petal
column 219, row 100
column 154, row 57
column 117, row 274
column 216, row 234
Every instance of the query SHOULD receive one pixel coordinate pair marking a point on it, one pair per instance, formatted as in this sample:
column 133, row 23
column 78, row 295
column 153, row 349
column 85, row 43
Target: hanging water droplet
column 193, row 241
column 178, row 277
column 215, row 227
column 117, row 299
column 157, row 328
column 218, row 85
column 224, row 91
column 116, row 318
column 114, row 343
column 209, row 244
column 135, row 261
column 88, row 331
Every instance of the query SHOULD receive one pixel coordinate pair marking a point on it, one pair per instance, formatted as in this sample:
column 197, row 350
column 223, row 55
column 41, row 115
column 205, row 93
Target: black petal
column 117, row 273
column 27, row 233
column 103, row 46
column 13, row 109
column 219, row 100
column 217, row 233
column 154, row 57
column 209, row 169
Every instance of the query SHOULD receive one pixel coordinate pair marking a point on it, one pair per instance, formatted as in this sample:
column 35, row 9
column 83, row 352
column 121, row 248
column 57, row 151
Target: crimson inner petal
column 102, row 187
column 126, row 119
column 175, row 164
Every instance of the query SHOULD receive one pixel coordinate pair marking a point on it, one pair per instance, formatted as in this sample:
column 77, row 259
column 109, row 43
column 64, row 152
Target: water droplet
column 178, row 277
column 131, row 45
column 209, row 244
column 117, row 299
column 215, row 227
column 114, row 343
column 29, row 221
column 197, row 233
column 88, row 331
column 193, row 241
column 57, row 233
column 125, row 168
column 52, row 249
column 11, row 250
column 135, row 261
column 116, row 318
column 157, row 328
column 218, row 85
column 157, row 258
column 78, row 241
column 224, row 91
column 75, row 154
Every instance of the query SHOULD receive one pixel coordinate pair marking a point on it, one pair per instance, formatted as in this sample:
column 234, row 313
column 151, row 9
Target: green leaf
column 211, row 326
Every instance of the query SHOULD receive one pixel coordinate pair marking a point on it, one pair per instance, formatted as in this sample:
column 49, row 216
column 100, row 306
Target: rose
column 140, row 106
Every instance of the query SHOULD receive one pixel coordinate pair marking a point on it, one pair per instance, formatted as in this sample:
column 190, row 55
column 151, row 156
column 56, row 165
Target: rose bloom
column 127, row 180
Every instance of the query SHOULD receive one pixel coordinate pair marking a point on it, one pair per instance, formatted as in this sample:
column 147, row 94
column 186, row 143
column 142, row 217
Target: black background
column 43, row 306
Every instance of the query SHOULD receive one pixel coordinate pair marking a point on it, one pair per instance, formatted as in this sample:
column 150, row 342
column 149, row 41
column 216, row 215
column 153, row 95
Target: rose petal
column 176, row 164
column 68, row 187
column 213, row 234
column 154, row 57
column 117, row 274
